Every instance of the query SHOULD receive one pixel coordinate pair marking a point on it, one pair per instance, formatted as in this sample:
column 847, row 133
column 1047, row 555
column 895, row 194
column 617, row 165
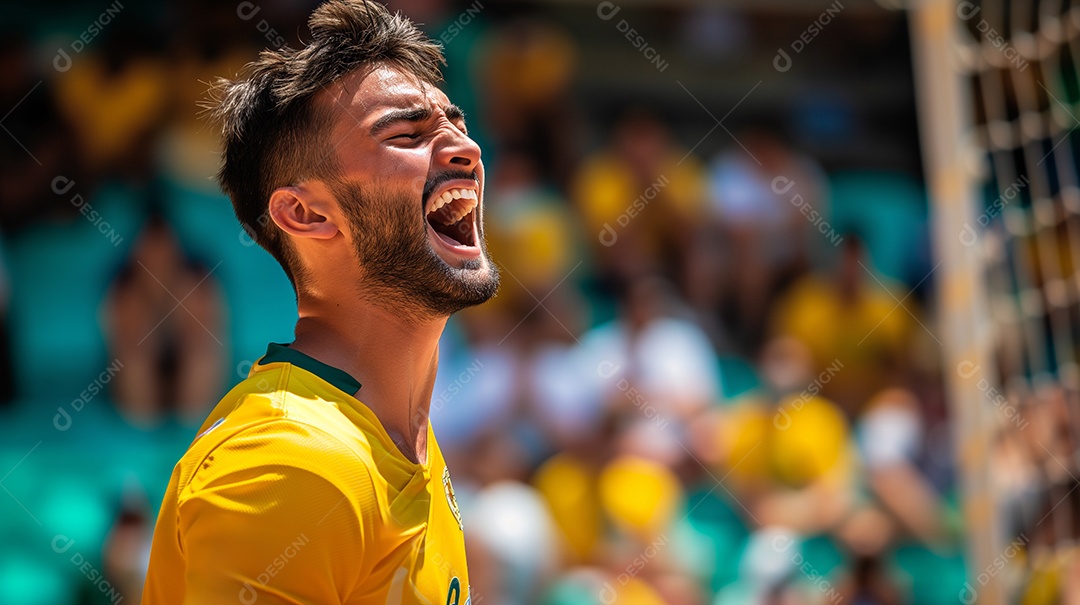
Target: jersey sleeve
column 276, row 514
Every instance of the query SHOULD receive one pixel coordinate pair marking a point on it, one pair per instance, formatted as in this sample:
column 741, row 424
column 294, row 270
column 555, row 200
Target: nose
column 457, row 150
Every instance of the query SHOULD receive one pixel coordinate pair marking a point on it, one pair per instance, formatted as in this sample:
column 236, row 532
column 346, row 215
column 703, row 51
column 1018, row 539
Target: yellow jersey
column 294, row 493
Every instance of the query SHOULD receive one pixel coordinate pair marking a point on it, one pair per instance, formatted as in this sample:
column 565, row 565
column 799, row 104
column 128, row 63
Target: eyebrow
column 453, row 112
column 416, row 114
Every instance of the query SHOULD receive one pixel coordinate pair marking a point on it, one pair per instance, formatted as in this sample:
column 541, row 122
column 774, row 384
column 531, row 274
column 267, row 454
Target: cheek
column 381, row 166
column 409, row 173
column 415, row 188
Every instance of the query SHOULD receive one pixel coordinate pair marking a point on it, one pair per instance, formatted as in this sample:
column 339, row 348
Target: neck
column 393, row 356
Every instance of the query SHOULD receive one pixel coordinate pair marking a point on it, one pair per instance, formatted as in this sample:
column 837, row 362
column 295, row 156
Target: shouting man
column 318, row 478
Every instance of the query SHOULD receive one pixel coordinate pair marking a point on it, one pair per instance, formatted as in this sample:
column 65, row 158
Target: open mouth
column 452, row 216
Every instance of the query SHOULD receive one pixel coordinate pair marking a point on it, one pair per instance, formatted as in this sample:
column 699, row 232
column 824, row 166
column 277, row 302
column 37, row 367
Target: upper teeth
column 451, row 195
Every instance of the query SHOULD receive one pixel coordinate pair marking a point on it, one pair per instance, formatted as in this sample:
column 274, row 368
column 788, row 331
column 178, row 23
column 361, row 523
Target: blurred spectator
column 1016, row 476
column 529, row 380
column 1048, row 444
column 789, row 460
column 869, row 583
column 792, row 465
column 641, row 497
column 165, row 317
column 651, row 359
column 36, row 147
column 512, row 540
column 617, row 494
column 890, row 439
column 756, row 192
column 212, row 42
column 639, row 198
column 620, row 513
column 126, row 553
column 115, row 98
column 528, row 66
column 857, row 330
column 567, row 482
column 531, row 231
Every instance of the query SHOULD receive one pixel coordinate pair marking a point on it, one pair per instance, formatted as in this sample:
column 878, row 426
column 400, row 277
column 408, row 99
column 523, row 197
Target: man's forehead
column 369, row 92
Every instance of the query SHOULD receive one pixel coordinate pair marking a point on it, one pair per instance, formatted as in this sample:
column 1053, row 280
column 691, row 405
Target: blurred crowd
column 708, row 379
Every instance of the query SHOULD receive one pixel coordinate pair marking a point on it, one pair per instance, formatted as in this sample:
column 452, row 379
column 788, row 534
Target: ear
column 301, row 212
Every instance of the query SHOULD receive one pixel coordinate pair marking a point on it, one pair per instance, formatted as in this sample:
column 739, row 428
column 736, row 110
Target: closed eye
column 456, row 117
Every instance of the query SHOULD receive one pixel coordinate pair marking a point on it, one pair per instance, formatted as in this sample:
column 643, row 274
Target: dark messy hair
column 274, row 132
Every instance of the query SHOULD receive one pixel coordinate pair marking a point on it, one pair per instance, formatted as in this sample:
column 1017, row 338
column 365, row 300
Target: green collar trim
column 339, row 379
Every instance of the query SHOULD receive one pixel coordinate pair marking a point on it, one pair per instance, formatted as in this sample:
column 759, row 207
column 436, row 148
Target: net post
column 945, row 129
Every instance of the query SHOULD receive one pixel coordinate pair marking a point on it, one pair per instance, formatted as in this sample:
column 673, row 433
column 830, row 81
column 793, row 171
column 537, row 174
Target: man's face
column 412, row 190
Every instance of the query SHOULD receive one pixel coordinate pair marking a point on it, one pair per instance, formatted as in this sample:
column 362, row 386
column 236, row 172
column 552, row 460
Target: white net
column 1019, row 113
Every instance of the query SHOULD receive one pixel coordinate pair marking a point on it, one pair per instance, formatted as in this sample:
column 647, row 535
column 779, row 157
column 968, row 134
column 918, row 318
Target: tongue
column 449, row 241
column 448, row 233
